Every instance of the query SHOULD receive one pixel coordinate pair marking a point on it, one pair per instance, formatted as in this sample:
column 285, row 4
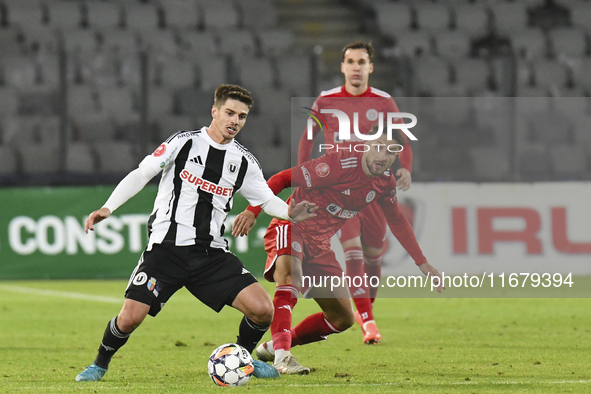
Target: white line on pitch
column 63, row 294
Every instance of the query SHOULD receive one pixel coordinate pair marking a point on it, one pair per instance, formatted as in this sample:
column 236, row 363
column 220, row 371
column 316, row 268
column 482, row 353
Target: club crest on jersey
column 140, row 279
column 160, row 150
column 204, row 185
column 322, row 170
column 371, row 114
column 232, row 167
column 295, row 245
column 370, row 196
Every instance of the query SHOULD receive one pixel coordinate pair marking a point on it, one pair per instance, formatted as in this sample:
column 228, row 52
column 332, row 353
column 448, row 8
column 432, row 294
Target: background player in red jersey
column 341, row 184
column 363, row 237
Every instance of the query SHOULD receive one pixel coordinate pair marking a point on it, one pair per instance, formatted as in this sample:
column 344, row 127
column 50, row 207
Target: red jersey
column 337, row 184
column 368, row 106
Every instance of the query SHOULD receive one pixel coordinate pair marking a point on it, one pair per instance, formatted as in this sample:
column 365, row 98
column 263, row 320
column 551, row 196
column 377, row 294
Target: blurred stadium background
column 88, row 87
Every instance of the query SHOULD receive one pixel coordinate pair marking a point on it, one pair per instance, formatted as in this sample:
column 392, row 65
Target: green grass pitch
column 49, row 332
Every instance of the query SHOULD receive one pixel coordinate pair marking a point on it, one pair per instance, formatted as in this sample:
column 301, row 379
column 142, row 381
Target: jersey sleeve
column 254, row 188
column 306, row 144
column 406, row 154
column 276, row 183
column 320, row 172
column 164, row 155
column 400, row 227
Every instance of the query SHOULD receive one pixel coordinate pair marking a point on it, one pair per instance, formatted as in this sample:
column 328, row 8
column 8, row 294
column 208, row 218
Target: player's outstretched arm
column 96, row 217
column 243, row 223
column 432, row 272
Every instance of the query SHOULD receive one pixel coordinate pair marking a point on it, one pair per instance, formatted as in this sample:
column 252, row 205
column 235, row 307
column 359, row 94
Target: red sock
column 373, row 267
column 354, row 261
column 284, row 301
column 312, row 329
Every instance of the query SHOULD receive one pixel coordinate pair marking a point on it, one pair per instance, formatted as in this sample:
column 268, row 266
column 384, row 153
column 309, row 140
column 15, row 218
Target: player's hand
column 403, row 178
column 243, row 223
column 431, row 272
column 96, row 217
column 302, row 211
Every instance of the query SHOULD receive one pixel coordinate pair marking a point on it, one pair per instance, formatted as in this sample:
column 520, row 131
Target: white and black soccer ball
column 230, row 365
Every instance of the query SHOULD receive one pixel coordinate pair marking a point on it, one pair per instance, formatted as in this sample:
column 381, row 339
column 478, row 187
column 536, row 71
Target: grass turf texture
column 429, row 345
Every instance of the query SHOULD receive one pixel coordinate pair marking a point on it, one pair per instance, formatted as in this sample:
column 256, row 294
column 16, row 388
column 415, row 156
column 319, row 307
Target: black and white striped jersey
column 199, row 180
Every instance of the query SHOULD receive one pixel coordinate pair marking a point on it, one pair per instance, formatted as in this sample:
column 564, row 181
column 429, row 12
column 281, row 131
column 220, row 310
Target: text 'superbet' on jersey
column 199, row 179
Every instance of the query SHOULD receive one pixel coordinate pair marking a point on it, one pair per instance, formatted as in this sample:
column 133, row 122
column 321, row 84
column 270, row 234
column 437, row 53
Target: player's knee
column 343, row 321
column 262, row 314
column 128, row 322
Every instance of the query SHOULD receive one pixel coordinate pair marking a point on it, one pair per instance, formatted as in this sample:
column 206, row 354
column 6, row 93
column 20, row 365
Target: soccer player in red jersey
column 363, row 237
column 341, row 184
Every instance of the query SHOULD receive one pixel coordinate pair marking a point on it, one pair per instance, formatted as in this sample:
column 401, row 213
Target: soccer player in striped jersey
column 363, row 237
column 341, row 184
column 201, row 172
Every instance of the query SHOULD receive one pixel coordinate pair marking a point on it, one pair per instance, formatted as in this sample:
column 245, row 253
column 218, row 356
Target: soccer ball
column 230, row 365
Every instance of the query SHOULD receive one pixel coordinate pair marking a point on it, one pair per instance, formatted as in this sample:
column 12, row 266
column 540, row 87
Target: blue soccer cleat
column 92, row 373
column 263, row 370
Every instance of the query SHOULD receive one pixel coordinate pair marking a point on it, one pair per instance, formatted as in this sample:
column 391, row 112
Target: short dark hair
column 234, row 92
column 397, row 134
column 359, row 45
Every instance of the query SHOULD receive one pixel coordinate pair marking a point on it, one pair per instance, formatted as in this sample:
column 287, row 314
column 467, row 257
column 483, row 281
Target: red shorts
column 280, row 240
column 370, row 224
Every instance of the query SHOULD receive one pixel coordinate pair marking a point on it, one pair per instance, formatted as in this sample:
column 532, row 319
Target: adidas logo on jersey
column 245, row 271
column 197, row 160
column 346, row 192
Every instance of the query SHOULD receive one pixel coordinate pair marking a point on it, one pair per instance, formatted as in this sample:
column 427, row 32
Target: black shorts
column 212, row 275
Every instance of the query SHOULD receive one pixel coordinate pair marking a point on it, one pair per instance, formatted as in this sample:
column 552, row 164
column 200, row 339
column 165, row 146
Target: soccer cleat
column 263, row 370
column 359, row 320
column 371, row 335
column 91, row 373
column 263, row 354
column 290, row 366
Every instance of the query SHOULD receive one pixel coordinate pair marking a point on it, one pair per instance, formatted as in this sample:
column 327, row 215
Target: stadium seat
column 105, row 15
column 529, row 44
column 275, row 42
column 274, row 104
column 80, row 158
column 452, row 44
column 392, row 17
column 432, row 17
column 160, row 101
column 414, row 42
column 40, row 39
column 178, row 72
column 212, row 72
column 568, row 41
column 8, row 42
column 582, row 134
column 582, row 74
column 509, row 17
column 256, row 73
column 141, row 16
column 9, row 101
column 490, row 163
column 8, row 160
column 432, row 75
column 549, row 73
column 199, row 44
column 274, row 159
column 568, row 160
column 170, row 124
column 65, row 14
column 551, row 128
column 295, row 74
column 19, row 71
column 580, row 13
column 116, row 157
column 219, row 15
column 159, row 43
column 92, row 127
column 24, row 13
column 39, row 158
column 83, row 99
column 122, row 40
column 533, row 161
column 473, row 74
column 181, row 14
column 451, row 111
column 258, row 14
column 237, row 43
column 79, row 39
column 533, row 91
column 473, row 19
column 575, row 107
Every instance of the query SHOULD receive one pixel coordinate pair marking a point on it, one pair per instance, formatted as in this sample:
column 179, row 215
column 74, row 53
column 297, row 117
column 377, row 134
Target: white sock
column 280, row 354
column 269, row 346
